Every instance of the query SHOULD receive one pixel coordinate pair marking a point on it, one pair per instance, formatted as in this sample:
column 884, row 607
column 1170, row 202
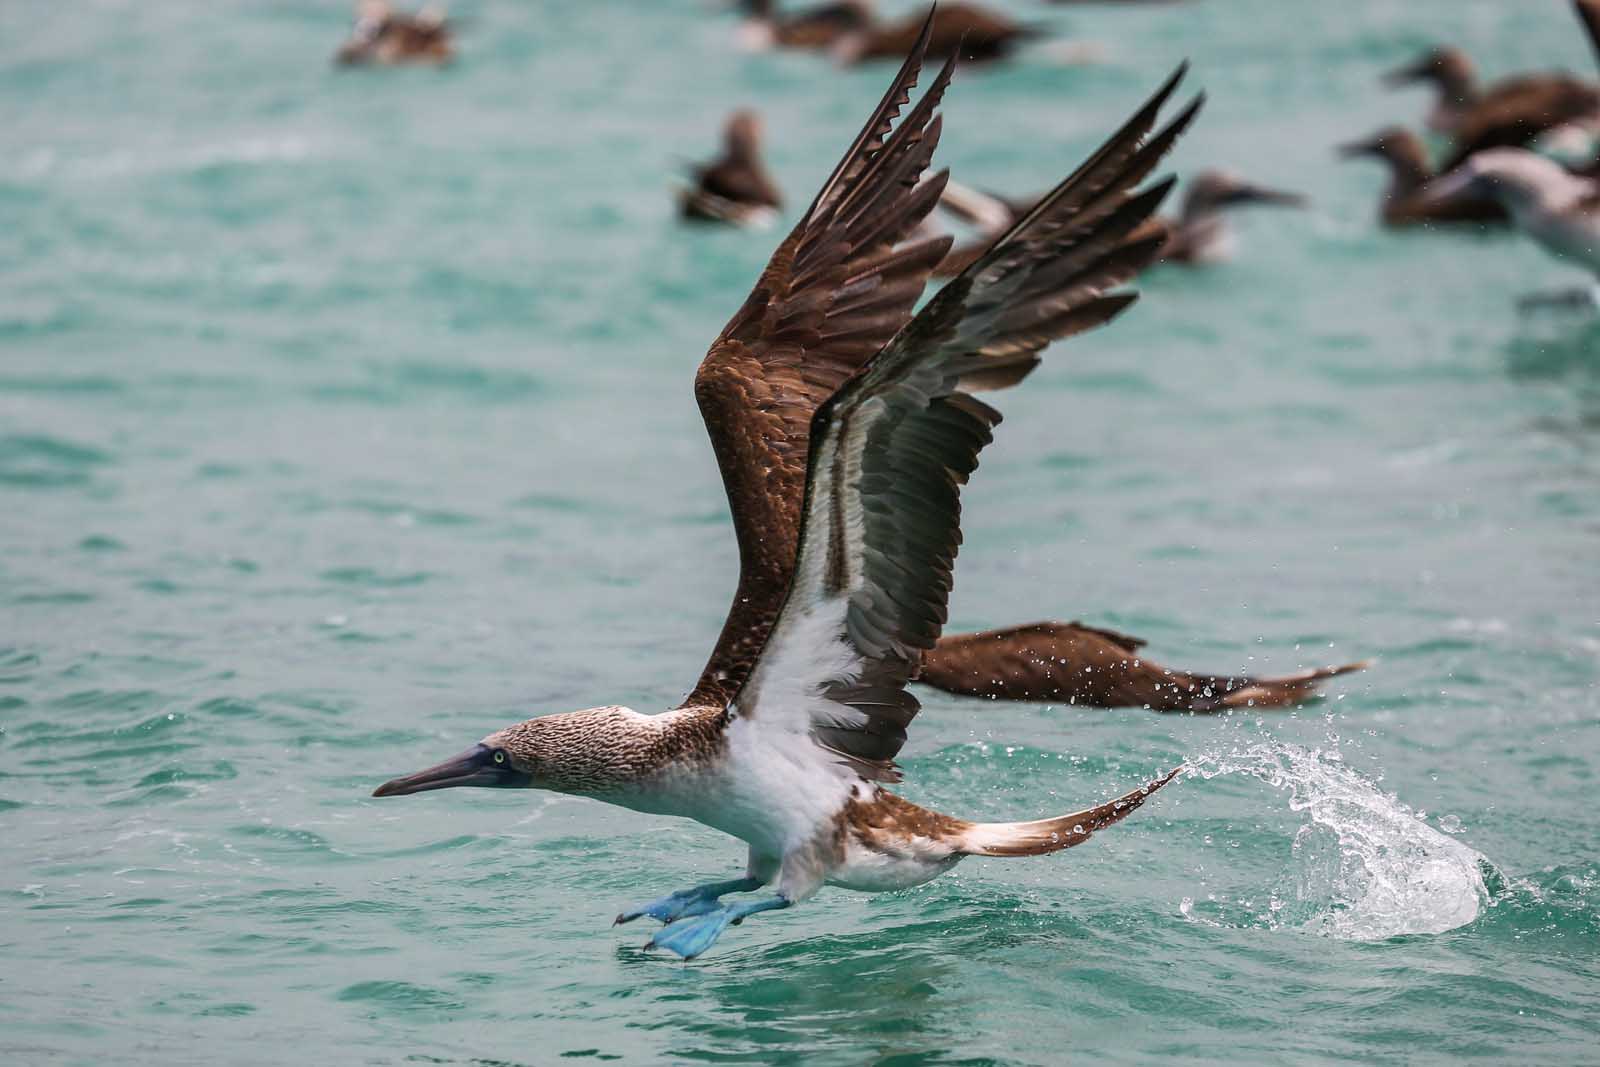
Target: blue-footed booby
column 735, row 187
column 385, row 36
column 824, row 387
column 1511, row 113
column 1088, row 666
column 1409, row 172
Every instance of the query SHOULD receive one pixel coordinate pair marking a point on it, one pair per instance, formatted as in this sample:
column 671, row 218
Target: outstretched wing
column 891, row 450
column 836, row 290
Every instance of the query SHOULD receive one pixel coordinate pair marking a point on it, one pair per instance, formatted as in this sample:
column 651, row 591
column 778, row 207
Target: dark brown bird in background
column 1512, row 112
column 1070, row 663
column 1409, row 171
column 735, row 187
column 980, row 34
column 814, row 27
column 1198, row 234
column 384, row 36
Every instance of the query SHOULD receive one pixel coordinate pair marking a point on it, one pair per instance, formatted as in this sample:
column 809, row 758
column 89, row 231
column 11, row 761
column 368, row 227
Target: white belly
column 777, row 797
column 868, row 870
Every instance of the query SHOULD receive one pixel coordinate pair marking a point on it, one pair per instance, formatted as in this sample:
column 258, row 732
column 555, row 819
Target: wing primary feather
column 883, row 116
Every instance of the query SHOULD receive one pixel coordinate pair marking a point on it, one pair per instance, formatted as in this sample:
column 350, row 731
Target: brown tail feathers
column 1051, row 835
column 1070, row 663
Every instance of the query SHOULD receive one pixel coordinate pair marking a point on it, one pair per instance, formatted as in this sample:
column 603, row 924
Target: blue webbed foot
column 686, row 903
column 691, row 936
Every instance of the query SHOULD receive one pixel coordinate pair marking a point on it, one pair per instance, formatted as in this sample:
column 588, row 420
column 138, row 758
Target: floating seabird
column 824, row 380
column 382, row 35
column 1409, row 172
column 1070, row 663
column 981, row 35
column 814, row 27
column 1460, row 98
column 1559, row 210
column 735, row 187
column 1511, row 113
column 1198, row 234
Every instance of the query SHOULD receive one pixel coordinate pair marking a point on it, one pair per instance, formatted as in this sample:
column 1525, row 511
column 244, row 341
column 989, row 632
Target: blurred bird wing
column 836, row 290
column 890, row 451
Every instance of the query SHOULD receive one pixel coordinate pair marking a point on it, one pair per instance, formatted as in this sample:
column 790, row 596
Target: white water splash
column 1366, row 867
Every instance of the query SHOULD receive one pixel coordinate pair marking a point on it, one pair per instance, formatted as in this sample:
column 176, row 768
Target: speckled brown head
column 594, row 751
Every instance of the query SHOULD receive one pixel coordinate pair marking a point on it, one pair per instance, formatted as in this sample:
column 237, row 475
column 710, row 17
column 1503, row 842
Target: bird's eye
column 499, row 755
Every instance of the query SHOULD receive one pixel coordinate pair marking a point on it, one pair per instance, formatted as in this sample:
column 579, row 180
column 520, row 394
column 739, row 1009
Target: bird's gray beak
column 1402, row 76
column 1260, row 194
column 1356, row 149
column 476, row 766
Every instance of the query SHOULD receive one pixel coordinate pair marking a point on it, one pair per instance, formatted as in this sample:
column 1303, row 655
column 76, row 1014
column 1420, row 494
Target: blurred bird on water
column 382, row 35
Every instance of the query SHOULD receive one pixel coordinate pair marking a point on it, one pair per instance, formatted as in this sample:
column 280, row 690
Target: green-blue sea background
column 346, row 416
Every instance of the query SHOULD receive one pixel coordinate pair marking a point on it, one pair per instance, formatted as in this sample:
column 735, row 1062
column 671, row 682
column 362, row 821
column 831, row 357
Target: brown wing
column 892, row 448
column 836, row 290
column 1517, row 120
column 1070, row 663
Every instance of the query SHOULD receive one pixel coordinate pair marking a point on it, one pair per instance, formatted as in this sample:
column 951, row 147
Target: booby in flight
column 1198, row 234
column 735, row 187
column 1087, row 666
column 823, row 378
column 383, row 35
column 1558, row 209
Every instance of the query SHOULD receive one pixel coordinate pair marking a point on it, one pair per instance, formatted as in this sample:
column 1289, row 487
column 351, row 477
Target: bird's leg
column 686, row 902
column 690, row 937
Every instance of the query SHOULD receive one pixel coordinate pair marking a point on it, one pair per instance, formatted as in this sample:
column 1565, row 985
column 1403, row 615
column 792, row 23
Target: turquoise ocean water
column 345, row 417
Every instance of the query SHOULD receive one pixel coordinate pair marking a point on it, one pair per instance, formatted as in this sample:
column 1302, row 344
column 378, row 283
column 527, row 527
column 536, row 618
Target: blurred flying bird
column 1558, row 209
column 1070, row 663
column 735, row 187
column 382, row 35
column 1409, row 171
column 845, row 428
column 1198, row 234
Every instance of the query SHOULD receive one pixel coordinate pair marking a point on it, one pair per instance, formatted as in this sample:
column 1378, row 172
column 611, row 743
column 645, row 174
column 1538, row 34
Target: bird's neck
column 615, row 753
column 1458, row 88
column 1409, row 170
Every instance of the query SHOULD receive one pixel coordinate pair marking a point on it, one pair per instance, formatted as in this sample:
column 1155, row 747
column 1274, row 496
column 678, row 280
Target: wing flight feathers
column 890, row 450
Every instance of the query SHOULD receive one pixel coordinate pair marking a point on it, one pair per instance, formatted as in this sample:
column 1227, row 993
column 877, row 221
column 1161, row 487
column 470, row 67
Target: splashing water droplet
column 1366, row 867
